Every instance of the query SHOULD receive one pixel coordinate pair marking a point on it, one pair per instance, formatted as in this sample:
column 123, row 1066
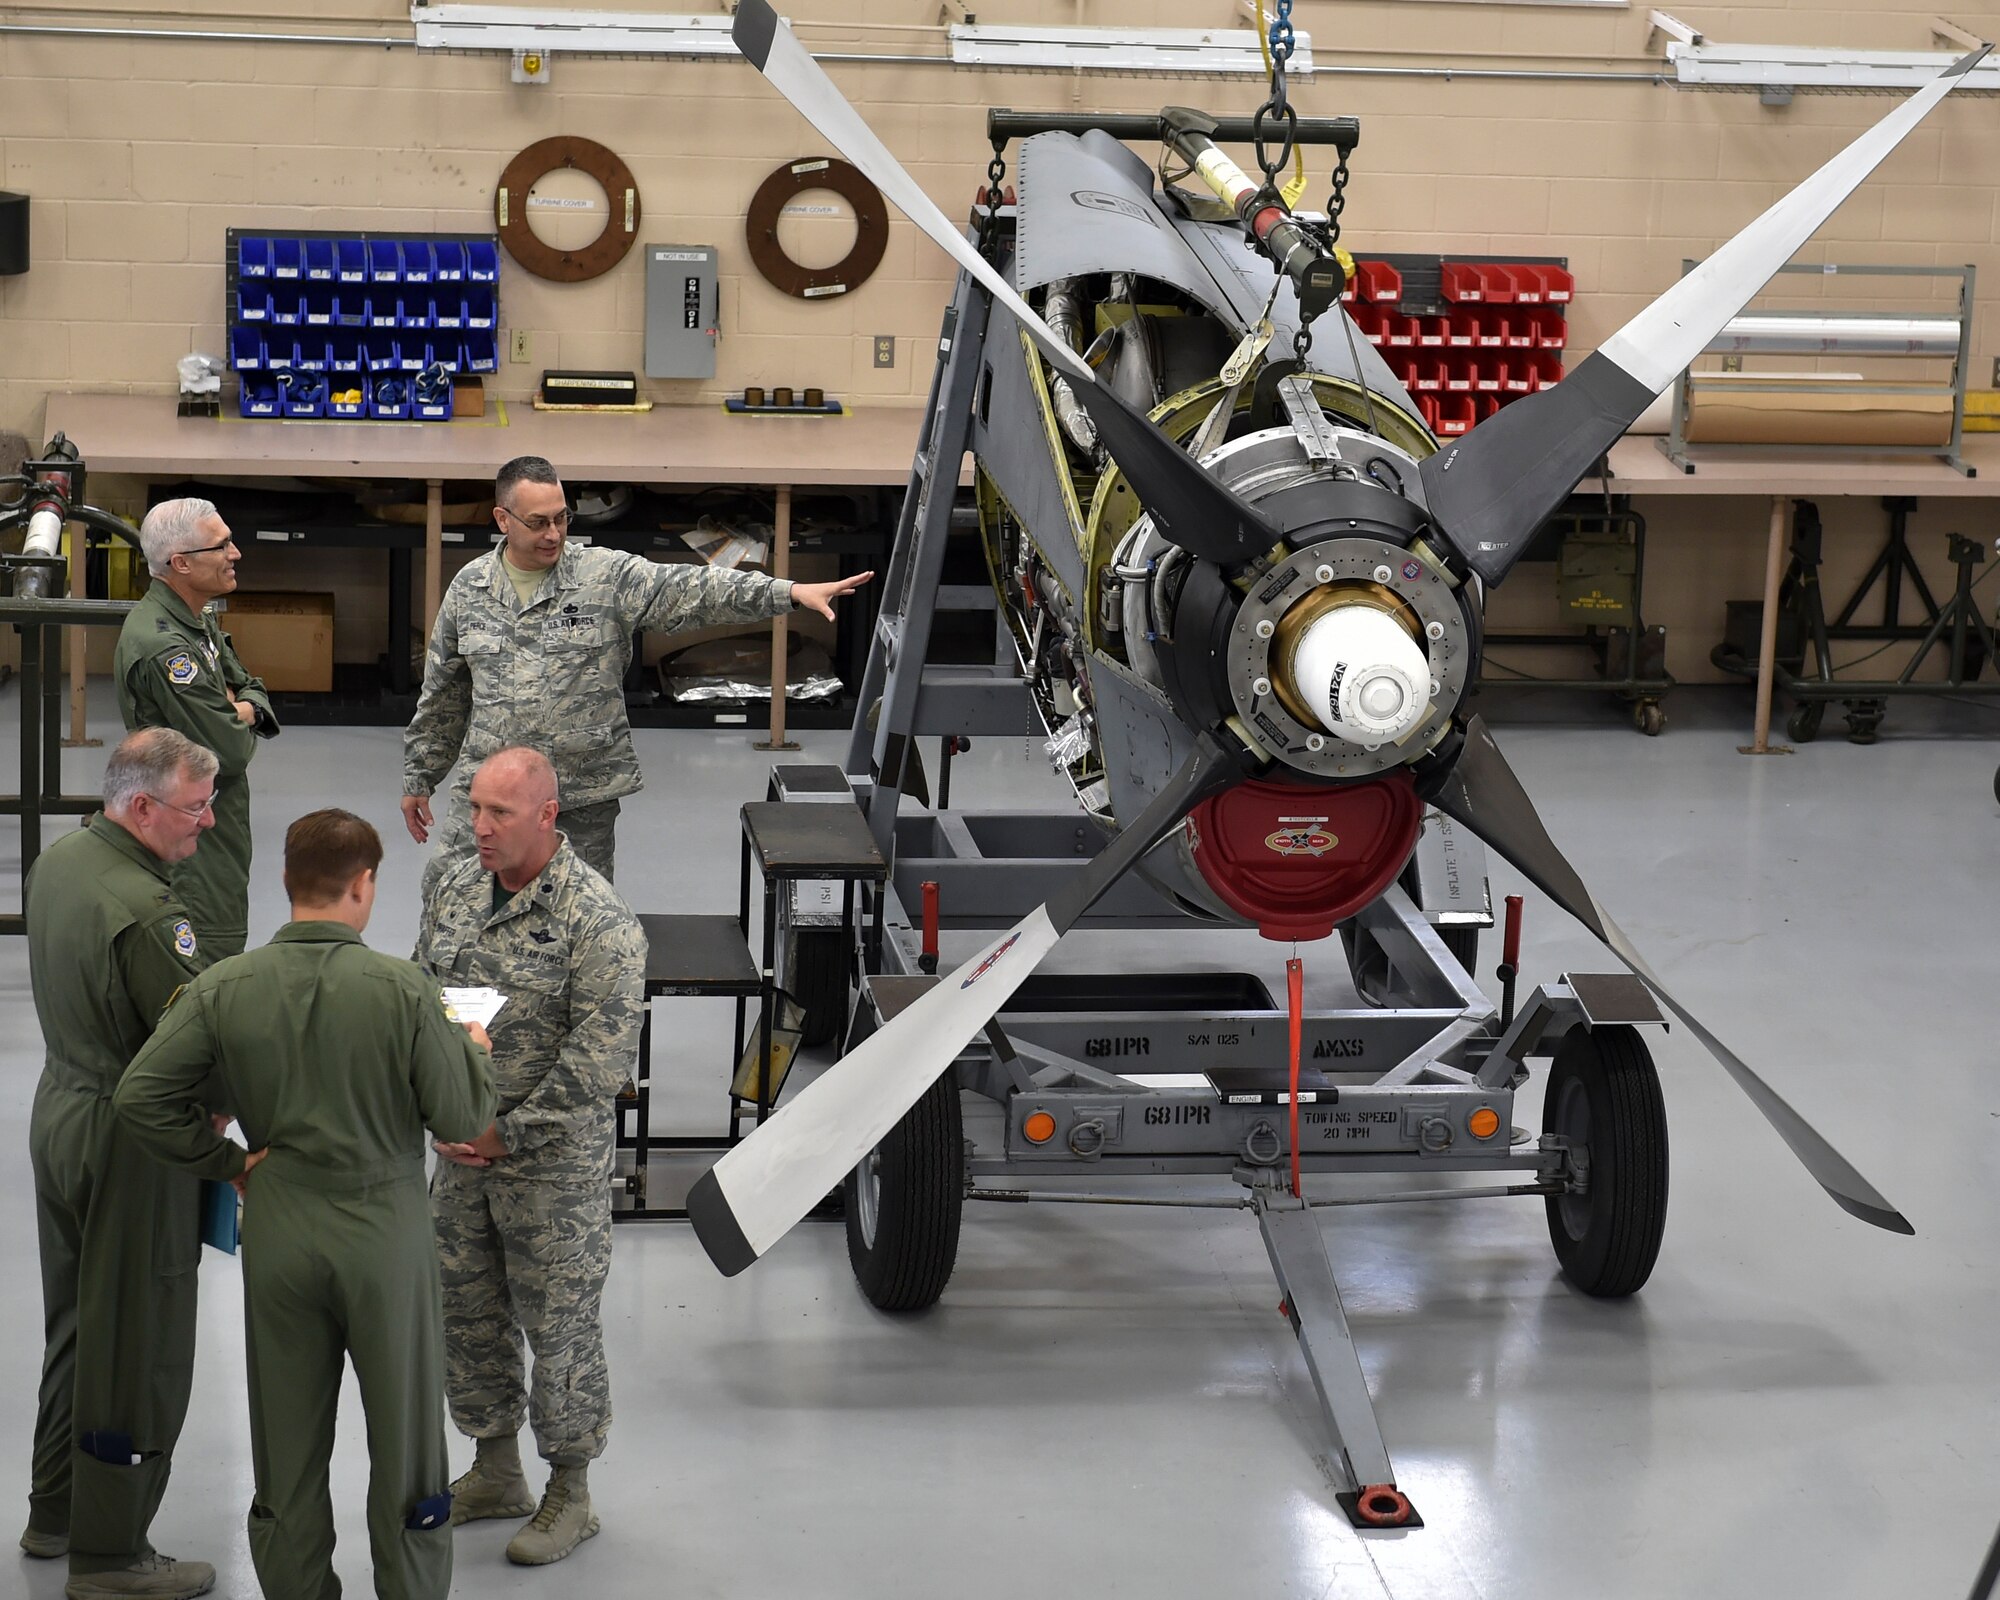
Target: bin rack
column 1464, row 336
column 357, row 307
column 1846, row 335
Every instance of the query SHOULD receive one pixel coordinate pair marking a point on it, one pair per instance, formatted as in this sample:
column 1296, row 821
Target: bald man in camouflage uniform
column 531, row 648
column 523, row 1212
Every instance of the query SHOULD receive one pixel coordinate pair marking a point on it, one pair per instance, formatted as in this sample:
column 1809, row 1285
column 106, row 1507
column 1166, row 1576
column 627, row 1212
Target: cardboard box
column 284, row 638
column 1818, row 417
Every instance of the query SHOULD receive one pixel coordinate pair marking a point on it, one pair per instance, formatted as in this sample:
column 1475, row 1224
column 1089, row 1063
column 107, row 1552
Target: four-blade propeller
column 1487, row 494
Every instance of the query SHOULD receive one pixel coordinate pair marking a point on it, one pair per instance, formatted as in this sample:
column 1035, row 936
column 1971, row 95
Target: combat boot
column 493, row 1486
column 563, row 1521
column 155, row 1577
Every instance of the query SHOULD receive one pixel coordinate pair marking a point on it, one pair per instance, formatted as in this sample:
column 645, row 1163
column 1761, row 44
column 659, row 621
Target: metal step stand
column 880, row 747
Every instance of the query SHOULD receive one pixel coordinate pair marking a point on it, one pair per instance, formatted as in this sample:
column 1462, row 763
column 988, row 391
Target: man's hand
column 479, row 1037
column 417, row 816
column 246, row 713
column 821, row 596
column 249, row 1165
column 220, row 1121
column 482, row 1152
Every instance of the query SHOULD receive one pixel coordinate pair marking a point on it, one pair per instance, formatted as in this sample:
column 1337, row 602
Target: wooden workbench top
column 1640, row 467
column 140, row 434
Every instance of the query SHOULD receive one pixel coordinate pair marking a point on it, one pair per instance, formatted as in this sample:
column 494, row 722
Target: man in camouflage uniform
column 531, row 647
column 175, row 668
column 523, row 1212
column 109, row 944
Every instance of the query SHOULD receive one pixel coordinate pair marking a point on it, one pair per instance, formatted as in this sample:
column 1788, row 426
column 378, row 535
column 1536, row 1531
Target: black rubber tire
column 902, row 1240
column 1649, row 718
column 816, row 977
column 1603, row 1094
column 1996, row 783
column 1802, row 726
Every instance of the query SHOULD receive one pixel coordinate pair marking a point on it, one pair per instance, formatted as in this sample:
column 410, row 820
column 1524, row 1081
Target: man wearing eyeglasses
column 109, row 944
column 531, row 648
column 176, row 668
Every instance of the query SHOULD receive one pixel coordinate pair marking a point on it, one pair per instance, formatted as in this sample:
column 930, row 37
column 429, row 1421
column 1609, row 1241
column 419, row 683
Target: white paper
column 473, row 1005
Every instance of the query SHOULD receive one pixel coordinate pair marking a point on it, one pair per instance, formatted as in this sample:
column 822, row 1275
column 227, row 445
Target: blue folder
column 218, row 1215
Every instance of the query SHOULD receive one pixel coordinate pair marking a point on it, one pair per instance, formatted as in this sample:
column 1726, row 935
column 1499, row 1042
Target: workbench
column 140, row 435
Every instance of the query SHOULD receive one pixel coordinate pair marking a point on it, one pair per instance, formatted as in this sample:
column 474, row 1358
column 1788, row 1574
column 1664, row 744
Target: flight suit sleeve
column 162, row 1096
column 453, row 1077
column 157, row 960
column 673, row 596
column 444, row 707
column 247, row 688
column 196, row 707
column 606, row 1005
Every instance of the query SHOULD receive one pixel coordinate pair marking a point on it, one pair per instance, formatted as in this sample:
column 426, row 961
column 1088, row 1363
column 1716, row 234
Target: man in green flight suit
column 531, row 647
column 109, row 943
column 175, row 668
column 335, row 1059
column 523, row 1211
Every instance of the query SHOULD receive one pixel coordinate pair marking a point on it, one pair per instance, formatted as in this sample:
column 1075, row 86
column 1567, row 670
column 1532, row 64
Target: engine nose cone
column 1362, row 675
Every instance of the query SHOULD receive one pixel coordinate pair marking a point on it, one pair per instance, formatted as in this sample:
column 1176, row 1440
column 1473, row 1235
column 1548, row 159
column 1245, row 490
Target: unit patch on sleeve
column 184, row 937
column 181, row 669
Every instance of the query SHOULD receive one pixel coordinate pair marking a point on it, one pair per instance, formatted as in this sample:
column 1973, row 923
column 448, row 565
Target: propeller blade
column 1484, row 794
column 1187, row 505
column 1489, row 492
column 750, row 1199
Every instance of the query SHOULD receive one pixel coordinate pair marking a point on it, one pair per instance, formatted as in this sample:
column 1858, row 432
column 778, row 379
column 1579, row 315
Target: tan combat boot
column 44, row 1546
column 155, row 1576
column 493, row 1486
column 563, row 1521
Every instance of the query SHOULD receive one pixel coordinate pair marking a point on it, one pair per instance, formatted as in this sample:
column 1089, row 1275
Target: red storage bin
column 1489, row 404
column 1490, row 327
column 1526, row 282
column 1431, row 332
column 1547, row 369
column 1550, row 329
column 1398, row 331
column 1377, row 280
column 1459, row 369
column 1462, row 281
column 1492, row 375
column 1431, row 372
column 1556, row 283
column 1367, row 321
column 1517, row 331
column 1456, row 413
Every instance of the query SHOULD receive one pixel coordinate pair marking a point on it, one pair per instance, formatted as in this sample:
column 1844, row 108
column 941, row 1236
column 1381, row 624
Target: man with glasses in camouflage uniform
column 175, row 668
column 531, row 648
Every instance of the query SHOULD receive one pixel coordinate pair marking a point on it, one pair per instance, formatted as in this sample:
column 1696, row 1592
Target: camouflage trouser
column 589, row 829
column 521, row 1256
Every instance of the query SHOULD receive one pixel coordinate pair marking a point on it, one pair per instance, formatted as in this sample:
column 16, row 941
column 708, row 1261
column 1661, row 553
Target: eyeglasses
column 196, row 812
column 206, row 550
column 538, row 525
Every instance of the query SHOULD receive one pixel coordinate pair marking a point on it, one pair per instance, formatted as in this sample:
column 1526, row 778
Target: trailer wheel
column 904, row 1201
column 815, row 975
column 1604, row 1098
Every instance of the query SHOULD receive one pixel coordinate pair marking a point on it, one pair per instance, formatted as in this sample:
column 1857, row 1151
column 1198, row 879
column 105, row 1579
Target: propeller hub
column 1360, row 674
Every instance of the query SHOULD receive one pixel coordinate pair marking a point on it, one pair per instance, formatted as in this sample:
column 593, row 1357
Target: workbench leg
column 781, row 567
column 433, row 553
column 79, row 645
column 1767, row 643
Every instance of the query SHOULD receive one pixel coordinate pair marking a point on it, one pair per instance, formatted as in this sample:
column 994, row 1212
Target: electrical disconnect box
column 681, row 311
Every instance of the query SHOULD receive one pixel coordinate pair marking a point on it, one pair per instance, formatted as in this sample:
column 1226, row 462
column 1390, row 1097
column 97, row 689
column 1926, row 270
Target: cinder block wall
column 139, row 154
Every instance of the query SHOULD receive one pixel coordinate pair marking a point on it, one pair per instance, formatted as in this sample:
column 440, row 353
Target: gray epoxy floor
column 1106, row 1402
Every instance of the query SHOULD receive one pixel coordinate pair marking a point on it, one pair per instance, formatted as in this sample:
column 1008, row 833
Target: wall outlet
column 519, row 347
column 885, row 350
column 1732, row 363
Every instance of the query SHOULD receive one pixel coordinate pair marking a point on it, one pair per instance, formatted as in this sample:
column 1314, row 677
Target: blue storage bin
column 382, row 355
column 480, row 353
column 260, row 395
column 447, row 354
column 479, row 306
column 350, row 260
column 278, row 354
column 253, row 257
column 304, row 396
column 482, row 261
column 319, row 260
column 253, row 305
column 450, row 255
column 416, row 355
column 343, row 353
column 288, row 306
column 287, row 258
column 383, row 311
column 389, row 397
column 414, row 311
column 418, row 261
column 312, row 354
column 246, row 349
column 350, row 309
column 319, row 301
column 385, row 263
column 336, row 407
column 448, row 310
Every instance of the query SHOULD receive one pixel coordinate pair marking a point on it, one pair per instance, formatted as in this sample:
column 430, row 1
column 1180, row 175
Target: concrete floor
column 1106, row 1403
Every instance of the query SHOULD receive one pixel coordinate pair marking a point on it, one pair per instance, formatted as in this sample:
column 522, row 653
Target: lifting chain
column 996, row 170
column 1277, row 107
column 1336, row 200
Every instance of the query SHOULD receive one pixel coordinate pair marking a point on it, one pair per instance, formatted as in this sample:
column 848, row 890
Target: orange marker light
column 1483, row 1123
column 1040, row 1127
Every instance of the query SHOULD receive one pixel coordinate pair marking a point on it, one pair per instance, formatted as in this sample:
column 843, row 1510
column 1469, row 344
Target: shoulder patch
column 181, row 669
column 184, row 937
